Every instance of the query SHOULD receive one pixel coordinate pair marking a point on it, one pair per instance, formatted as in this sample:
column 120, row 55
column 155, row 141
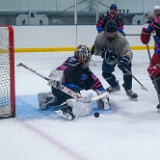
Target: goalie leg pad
column 103, row 105
column 82, row 109
column 44, row 98
column 75, row 109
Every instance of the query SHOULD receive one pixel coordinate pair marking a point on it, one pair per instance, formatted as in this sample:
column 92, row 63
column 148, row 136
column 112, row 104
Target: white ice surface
column 131, row 131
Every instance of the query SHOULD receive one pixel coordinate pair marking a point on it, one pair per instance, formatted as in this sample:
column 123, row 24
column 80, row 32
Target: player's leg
column 127, row 85
column 54, row 98
column 156, row 83
column 109, row 77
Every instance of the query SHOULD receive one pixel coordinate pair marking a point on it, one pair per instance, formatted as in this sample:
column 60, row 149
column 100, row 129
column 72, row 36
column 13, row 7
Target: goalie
column 75, row 74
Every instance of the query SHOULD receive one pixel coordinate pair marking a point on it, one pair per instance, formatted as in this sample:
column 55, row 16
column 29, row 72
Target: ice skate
column 130, row 93
column 116, row 88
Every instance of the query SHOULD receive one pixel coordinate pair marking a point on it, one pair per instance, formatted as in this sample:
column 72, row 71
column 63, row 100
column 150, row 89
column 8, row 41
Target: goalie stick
column 63, row 88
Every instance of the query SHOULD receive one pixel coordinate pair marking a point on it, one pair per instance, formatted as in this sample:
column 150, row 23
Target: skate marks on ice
column 27, row 108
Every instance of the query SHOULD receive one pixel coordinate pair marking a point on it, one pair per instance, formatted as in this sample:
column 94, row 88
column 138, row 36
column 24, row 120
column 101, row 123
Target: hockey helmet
column 157, row 11
column 111, row 26
column 157, row 8
column 113, row 6
column 83, row 55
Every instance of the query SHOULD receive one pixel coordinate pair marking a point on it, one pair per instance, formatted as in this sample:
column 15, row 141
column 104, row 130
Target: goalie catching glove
column 55, row 78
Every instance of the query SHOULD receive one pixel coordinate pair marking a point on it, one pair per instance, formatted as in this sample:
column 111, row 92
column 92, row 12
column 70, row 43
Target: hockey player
column 154, row 67
column 75, row 74
column 100, row 25
column 151, row 17
column 115, row 49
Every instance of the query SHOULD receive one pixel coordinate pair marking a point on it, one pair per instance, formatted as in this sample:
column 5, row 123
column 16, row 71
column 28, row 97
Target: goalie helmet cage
column 7, row 78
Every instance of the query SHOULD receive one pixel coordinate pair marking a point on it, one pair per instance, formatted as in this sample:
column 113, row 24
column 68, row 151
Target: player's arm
column 100, row 22
column 120, row 25
column 146, row 33
column 126, row 55
column 99, row 44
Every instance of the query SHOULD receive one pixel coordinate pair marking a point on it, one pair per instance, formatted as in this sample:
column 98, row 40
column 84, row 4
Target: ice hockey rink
column 130, row 131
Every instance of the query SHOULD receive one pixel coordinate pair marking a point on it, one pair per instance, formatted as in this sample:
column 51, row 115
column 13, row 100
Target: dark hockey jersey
column 76, row 76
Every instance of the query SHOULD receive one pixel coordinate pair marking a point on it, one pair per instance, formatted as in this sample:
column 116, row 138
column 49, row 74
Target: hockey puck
column 96, row 114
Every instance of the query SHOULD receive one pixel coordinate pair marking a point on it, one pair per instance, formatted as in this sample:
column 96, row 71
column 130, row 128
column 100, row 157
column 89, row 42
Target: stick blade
column 20, row 64
column 99, row 96
column 144, row 88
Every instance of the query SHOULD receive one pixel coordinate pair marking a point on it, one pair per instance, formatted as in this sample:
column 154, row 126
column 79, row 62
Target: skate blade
column 134, row 99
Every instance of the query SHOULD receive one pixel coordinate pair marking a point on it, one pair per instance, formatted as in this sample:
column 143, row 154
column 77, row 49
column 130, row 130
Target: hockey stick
column 143, row 88
column 149, row 54
column 63, row 88
column 132, row 34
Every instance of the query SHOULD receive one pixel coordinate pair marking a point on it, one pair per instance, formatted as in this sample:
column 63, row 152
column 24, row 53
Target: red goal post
column 7, row 74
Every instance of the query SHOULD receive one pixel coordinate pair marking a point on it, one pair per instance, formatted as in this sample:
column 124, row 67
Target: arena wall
column 67, row 37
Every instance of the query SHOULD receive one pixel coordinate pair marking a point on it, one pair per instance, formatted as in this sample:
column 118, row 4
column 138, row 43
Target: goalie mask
column 83, row 55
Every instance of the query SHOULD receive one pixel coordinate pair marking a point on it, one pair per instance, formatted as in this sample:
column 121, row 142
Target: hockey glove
column 108, row 54
column 99, row 29
column 145, row 36
column 55, row 78
column 123, row 63
column 103, row 103
column 154, row 70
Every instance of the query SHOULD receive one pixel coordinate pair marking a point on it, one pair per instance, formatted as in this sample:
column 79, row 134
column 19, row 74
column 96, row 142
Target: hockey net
column 7, row 81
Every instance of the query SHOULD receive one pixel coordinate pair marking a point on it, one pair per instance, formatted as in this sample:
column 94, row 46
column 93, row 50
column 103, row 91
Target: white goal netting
column 7, row 93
